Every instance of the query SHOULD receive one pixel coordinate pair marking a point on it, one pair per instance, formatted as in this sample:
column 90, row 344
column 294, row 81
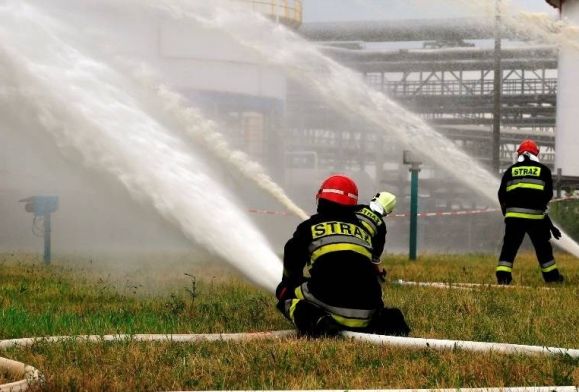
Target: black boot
column 504, row 277
column 326, row 326
column 313, row 321
column 553, row 277
column 389, row 321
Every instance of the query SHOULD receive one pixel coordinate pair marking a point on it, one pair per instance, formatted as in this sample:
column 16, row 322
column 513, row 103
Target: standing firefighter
column 525, row 191
column 342, row 291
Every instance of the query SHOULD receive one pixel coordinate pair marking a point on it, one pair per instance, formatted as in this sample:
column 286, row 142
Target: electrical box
column 41, row 205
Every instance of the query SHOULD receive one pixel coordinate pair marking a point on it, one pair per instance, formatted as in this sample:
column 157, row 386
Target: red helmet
column 528, row 146
column 339, row 189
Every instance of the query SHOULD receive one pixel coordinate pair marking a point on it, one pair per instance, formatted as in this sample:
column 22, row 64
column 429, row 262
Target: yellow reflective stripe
column 292, row 308
column 368, row 227
column 348, row 322
column 340, row 247
column 549, row 268
column 504, row 268
column 523, row 215
column 369, row 214
column 526, row 185
column 298, row 292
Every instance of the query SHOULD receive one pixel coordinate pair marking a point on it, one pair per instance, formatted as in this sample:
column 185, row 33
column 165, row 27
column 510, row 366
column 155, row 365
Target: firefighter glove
column 556, row 232
column 381, row 273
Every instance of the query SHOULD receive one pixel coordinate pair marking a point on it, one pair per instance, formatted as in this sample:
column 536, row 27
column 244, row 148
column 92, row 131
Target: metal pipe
column 400, row 30
column 414, row 170
column 47, row 238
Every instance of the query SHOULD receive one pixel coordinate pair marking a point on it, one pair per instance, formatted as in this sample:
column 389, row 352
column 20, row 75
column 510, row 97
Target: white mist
column 89, row 107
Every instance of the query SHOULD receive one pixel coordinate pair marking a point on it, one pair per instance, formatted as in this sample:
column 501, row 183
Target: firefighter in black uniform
column 525, row 191
column 342, row 290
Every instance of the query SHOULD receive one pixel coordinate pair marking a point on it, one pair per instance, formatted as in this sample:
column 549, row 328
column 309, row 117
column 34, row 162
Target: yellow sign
column 526, row 171
column 340, row 228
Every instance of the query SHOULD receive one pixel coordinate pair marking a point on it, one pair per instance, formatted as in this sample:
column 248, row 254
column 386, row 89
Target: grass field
column 75, row 296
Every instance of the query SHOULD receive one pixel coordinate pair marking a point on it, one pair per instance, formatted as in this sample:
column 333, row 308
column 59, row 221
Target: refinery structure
column 442, row 69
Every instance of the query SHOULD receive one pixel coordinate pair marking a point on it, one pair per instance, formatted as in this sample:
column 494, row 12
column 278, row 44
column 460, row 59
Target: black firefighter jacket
column 526, row 189
column 338, row 252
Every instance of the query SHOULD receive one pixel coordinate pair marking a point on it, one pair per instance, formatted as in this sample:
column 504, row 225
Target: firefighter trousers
column 540, row 234
column 314, row 321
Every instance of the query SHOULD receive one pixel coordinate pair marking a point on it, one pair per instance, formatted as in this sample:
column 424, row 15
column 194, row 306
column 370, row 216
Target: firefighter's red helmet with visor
column 528, row 146
column 339, row 189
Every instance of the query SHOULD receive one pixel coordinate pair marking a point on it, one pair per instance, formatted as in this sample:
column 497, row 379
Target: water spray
column 528, row 25
column 204, row 131
column 341, row 88
column 87, row 107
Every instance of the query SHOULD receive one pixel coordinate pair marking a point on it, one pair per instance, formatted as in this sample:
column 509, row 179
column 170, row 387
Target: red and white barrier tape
column 420, row 214
column 447, row 213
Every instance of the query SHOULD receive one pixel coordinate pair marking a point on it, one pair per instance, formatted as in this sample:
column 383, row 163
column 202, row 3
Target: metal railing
column 471, row 87
column 288, row 12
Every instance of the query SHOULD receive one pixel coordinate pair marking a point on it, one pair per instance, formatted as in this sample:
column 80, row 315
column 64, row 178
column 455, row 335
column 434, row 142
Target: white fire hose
column 29, row 375
column 464, row 286
column 515, row 389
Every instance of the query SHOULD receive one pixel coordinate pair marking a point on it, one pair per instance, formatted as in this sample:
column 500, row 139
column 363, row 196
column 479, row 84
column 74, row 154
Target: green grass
column 71, row 297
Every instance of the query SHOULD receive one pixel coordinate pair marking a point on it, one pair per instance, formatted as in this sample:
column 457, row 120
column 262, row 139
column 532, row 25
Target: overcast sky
column 341, row 10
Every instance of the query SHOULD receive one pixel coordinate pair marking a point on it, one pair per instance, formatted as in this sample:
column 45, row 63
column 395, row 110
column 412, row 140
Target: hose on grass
column 511, row 389
column 463, row 286
column 29, row 375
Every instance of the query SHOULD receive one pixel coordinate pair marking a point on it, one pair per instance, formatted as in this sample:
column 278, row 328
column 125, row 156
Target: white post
column 566, row 140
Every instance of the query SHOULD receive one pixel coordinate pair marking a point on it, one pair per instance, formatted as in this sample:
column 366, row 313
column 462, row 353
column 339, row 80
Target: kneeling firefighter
column 342, row 291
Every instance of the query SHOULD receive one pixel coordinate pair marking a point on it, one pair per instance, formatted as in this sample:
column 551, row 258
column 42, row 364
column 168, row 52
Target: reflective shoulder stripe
column 369, row 226
column 325, row 249
column 371, row 215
